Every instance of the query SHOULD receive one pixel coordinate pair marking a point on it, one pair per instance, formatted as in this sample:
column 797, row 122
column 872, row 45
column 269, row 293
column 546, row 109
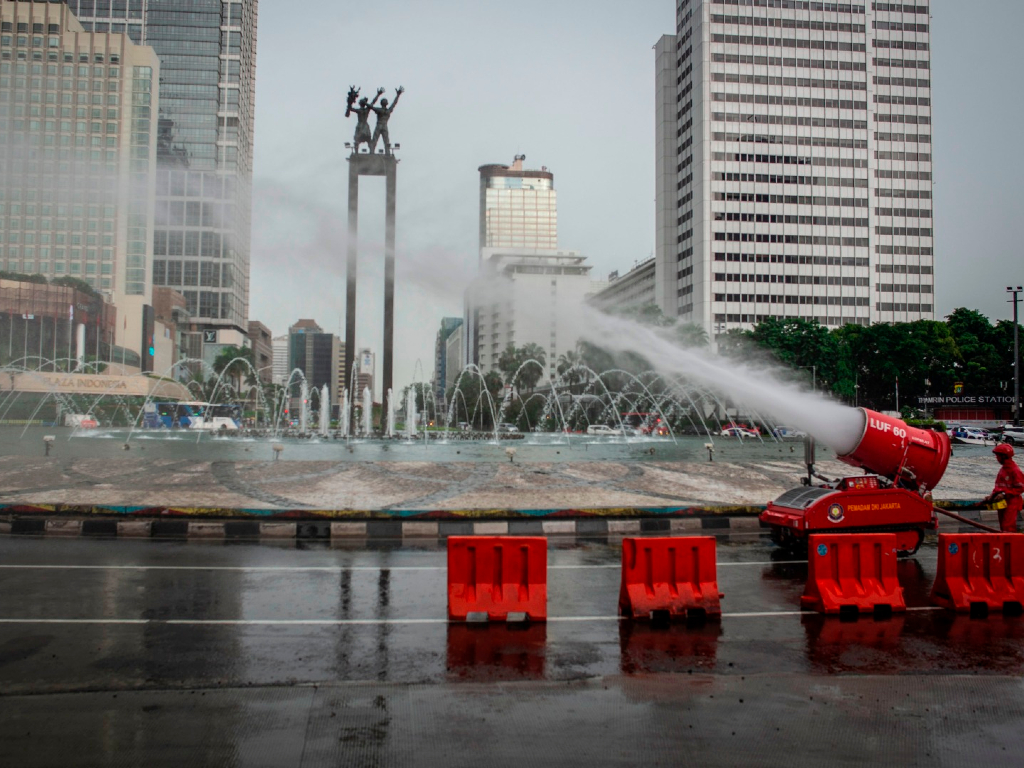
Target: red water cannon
column 915, row 458
column 904, row 463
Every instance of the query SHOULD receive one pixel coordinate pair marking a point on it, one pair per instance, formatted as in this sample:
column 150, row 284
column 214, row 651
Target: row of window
column 813, row 122
column 904, row 82
column 773, row 258
column 901, row 63
column 788, row 101
column 792, row 42
column 192, row 214
column 766, row 218
column 904, row 250
column 910, row 157
column 763, row 298
column 909, row 101
column 174, row 243
column 902, row 288
column 131, row 9
column 23, row 28
column 904, row 231
column 800, row 141
column 903, row 269
column 773, row 178
column 884, row 306
column 899, row 8
column 912, row 138
column 194, row 273
column 795, row 5
column 793, row 82
column 78, row 211
column 787, row 23
column 59, row 238
column 83, row 57
column 831, row 162
column 762, row 237
column 781, row 61
column 723, row 277
column 912, row 213
column 751, row 197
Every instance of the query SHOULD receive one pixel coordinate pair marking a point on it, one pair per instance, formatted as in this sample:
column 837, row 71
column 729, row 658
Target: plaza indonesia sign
column 969, row 400
column 98, row 384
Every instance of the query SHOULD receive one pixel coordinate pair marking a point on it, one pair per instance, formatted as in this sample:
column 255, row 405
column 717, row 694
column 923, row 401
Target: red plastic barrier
column 980, row 568
column 848, row 571
column 497, row 578
column 673, row 575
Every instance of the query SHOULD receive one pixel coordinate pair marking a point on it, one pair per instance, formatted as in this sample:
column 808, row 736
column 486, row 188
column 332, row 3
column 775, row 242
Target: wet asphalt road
column 164, row 653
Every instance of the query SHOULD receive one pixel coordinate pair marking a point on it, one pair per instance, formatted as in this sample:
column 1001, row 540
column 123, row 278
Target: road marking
column 317, row 568
column 381, row 622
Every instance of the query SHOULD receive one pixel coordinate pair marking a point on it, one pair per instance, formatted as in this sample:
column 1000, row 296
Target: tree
column 571, row 369
column 691, row 335
column 513, row 364
column 236, row 363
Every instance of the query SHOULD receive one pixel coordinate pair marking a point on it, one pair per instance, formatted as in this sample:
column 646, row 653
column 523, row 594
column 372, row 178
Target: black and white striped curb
column 398, row 529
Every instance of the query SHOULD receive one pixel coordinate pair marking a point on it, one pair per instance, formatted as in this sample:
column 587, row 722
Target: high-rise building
column 518, row 208
column 207, row 51
column 315, row 353
column 455, row 352
column 448, row 326
column 794, row 165
column 262, row 343
column 281, row 370
column 77, row 148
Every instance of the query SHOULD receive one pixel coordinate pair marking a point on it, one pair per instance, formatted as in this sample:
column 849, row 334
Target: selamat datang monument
column 371, row 162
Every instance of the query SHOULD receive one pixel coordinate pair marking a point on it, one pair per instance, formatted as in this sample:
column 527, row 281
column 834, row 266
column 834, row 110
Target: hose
column 965, row 520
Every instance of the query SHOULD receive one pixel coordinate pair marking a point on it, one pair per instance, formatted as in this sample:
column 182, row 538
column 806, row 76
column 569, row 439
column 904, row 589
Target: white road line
column 380, row 622
column 316, row 568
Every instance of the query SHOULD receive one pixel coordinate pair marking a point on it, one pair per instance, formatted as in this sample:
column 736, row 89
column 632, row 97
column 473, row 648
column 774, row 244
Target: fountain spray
column 325, row 411
column 410, row 413
column 389, row 430
column 343, row 412
column 304, row 406
column 367, row 412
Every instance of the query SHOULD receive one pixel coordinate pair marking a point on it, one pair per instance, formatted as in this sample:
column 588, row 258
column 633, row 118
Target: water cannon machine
column 902, row 465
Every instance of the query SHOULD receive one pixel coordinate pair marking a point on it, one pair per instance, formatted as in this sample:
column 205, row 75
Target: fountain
column 367, row 412
column 325, row 411
column 303, row 406
column 410, row 414
column 389, row 430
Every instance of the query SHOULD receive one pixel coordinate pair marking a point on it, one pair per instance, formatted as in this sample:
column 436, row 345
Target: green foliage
column 23, row 278
column 513, row 364
column 71, row 282
column 863, row 363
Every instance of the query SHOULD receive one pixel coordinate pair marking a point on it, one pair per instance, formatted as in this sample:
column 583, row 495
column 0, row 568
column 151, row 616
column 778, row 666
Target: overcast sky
column 573, row 91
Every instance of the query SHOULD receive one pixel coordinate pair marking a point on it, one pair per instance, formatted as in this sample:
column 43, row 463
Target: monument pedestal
column 370, row 165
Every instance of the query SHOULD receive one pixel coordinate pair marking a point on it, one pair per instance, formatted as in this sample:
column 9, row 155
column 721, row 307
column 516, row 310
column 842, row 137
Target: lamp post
column 814, row 376
column 1016, row 354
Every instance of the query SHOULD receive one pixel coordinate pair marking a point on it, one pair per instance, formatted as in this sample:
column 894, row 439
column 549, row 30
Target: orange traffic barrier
column 852, row 572
column 979, row 572
column 669, row 577
column 497, row 578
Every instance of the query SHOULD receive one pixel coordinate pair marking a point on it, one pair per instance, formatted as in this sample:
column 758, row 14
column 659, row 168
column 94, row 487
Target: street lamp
column 814, row 376
column 1016, row 354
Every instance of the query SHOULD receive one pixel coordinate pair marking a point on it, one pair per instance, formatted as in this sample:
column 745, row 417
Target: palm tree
column 691, row 335
column 570, row 368
column 531, row 374
column 236, row 363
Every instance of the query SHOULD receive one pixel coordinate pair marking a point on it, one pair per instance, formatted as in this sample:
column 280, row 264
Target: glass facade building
column 518, row 208
column 794, row 163
column 77, row 156
column 207, row 52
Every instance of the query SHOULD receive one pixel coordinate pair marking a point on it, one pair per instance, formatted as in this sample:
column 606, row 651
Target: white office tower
column 794, row 174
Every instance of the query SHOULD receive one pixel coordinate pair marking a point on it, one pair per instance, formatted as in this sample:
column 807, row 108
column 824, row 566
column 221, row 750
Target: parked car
column 507, row 428
column 1013, row 435
column 602, row 429
column 740, row 432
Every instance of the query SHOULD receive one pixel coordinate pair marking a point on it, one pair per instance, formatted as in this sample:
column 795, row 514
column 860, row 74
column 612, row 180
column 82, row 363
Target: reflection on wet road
column 251, row 655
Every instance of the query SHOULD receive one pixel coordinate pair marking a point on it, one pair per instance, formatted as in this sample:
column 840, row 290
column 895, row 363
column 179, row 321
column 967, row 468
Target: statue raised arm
column 362, row 112
column 383, row 112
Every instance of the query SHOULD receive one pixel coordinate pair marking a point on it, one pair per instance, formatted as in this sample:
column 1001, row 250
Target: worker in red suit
column 1009, row 487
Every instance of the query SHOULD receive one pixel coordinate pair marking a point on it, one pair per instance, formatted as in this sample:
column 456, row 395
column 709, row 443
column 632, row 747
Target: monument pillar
column 385, row 165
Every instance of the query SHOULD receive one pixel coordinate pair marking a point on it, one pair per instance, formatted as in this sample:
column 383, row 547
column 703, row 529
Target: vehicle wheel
column 912, row 552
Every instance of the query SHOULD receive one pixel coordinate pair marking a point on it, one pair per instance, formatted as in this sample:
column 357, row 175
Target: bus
column 193, row 415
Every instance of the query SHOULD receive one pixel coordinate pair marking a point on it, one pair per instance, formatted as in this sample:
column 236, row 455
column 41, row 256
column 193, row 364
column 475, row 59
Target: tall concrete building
column 207, row 50
column 281, row 369
column 77, row 169
column 518, row 207
column 794, row 165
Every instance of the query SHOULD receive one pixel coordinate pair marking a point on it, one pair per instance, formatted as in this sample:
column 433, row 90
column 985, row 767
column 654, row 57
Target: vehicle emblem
column 836, row 513
column 823, row 549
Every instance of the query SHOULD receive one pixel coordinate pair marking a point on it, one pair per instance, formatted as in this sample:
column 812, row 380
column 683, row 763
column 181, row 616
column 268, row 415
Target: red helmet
column 1003, row 449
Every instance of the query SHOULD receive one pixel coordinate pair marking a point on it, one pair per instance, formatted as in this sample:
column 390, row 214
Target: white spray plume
column 837, row 426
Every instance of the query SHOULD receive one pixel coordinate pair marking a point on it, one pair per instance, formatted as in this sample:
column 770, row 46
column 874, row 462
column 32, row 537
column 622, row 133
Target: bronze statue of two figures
column 362, row 111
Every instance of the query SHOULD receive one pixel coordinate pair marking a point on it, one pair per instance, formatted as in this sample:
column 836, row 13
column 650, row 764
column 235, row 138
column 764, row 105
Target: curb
column 589, row 524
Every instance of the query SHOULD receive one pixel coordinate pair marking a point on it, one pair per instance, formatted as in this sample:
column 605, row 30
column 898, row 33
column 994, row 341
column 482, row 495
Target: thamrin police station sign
column 975, row 400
